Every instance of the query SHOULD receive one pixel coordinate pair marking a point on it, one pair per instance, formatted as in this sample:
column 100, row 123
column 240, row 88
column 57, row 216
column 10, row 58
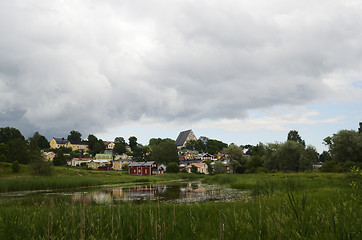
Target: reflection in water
column 182, row 193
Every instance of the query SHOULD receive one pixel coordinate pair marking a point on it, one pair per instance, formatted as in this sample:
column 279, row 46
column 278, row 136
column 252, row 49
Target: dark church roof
column 180, row 141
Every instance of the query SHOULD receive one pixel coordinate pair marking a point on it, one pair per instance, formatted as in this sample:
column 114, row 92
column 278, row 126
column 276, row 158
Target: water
column 189, row 192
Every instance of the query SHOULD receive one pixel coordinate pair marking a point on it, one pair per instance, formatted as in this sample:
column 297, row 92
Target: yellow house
column 118, row 164
column 95, row 163
column 58, row 142
column 189, row 156
column 49, row 156
column 82, row 146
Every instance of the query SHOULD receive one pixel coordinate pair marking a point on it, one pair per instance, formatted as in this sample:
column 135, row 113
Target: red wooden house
column 143, row 168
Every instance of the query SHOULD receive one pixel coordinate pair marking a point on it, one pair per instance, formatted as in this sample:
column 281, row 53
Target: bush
column 15, row 166
column 172, row 168
column 41, row 168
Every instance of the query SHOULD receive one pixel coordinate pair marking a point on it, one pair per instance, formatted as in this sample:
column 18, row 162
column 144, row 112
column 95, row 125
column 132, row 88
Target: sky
column 239, row 71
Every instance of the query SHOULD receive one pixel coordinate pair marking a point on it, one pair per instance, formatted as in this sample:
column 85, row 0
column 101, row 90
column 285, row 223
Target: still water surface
column 186, row 192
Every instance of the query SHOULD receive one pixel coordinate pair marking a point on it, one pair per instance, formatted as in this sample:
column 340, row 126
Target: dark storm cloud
column 91, row 65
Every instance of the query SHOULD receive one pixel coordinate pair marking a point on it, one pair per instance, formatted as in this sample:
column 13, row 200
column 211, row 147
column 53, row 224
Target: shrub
column 15, row 166
column 172, row 168
column 41, row 168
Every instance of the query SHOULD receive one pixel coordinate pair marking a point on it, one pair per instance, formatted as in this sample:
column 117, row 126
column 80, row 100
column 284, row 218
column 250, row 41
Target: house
column 49, row 156
column 58, row 142
column 143, row 168
column 189, row 156
column 118, row 164
column 201, row 167
column 161, row 168
column 108, row 157
column 79, row 162
column 109, row 145
column 96, row 163
column 184, row 137
column 82, row 146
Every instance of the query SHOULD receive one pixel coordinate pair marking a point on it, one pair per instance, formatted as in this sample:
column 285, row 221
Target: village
column 190, row 161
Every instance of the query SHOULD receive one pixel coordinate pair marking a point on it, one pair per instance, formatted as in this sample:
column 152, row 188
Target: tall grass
column 295, row 217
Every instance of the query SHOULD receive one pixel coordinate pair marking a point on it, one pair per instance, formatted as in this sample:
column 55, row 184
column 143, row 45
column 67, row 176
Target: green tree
column 120, row 145
column 270, row 158
column 75, row 136
column 219, row 168
column 41, row 141
column 59, row 159
column 294, row 136
column 234, row 165
column 194, row 169
column 308, row 157
column 164, row 152
column 18, row 151
column 234, row 152
column 288, row 156
column 92, row 140
column 4, row 150
column 9, row 133
column 253, row 163
column 132, row 142
column 172, row 167
column 15, row 167
column 193, row 145
column 99, row 147
column 346, row 145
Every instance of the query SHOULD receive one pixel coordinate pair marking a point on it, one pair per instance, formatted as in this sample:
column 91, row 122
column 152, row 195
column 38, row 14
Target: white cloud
column 91, row 65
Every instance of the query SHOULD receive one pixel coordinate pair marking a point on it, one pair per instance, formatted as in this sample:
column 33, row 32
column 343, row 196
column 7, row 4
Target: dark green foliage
column 4, row 149
column 219, row 168
column 289, row 154
column 15, row 167
column 346, row 145
column 59, row 159
column 9, row 133
column 172, row 168
column 18, row 151
column 211, row 146
column 120, row 145
column 193, row 145
column 41, row 168
column 294, row 136
column 41, row 141
column 253, row 163
column 194, row 169
column 75, row 136
column 92, row 140
column 132, row 142
column 165, row 151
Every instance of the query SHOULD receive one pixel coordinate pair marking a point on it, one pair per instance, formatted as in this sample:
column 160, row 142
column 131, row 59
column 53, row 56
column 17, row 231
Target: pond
column 175, row 192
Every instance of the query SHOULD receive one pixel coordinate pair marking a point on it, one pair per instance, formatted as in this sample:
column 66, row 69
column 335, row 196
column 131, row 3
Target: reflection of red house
column 143, row 168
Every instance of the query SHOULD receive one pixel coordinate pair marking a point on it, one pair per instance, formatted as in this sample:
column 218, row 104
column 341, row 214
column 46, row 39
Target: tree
column 194, row 169
column 234, row 152
column 18, row 151
column 41, row 141
column 75, row 136
column 193, row 145
column 4, row 150
column 172, row 168
column 120, row 145
column 9, row 133
column 234, row 165
column 132, row 142
column 92, row 140
column 346, row 145
column 288, row 156
column 270, row 158
column 59, row 159
column 294, row 136
column 99, row 147
column 325, row 156
column 164, row 152
column 253, row 163
column 308, row 157
column 219, row 168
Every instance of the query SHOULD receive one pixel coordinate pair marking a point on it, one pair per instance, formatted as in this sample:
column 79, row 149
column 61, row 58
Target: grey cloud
column 92, row 65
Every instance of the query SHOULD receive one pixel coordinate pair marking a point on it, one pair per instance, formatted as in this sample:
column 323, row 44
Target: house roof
column 100, row 155
column 79, row 142
column 180, row 141
column 141, row 164
column 198, row 164
column 60, row 140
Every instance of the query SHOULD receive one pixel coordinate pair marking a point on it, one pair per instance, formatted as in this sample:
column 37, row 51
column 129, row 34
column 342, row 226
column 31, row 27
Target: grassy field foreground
column 282, row 206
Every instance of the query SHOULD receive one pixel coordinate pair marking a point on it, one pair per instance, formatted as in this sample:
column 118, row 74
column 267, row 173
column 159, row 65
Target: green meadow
column 280, row 206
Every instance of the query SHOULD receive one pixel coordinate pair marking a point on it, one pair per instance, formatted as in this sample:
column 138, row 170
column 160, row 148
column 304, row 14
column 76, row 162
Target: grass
column 283, row 206
column 298, row 216
column 67, row 178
